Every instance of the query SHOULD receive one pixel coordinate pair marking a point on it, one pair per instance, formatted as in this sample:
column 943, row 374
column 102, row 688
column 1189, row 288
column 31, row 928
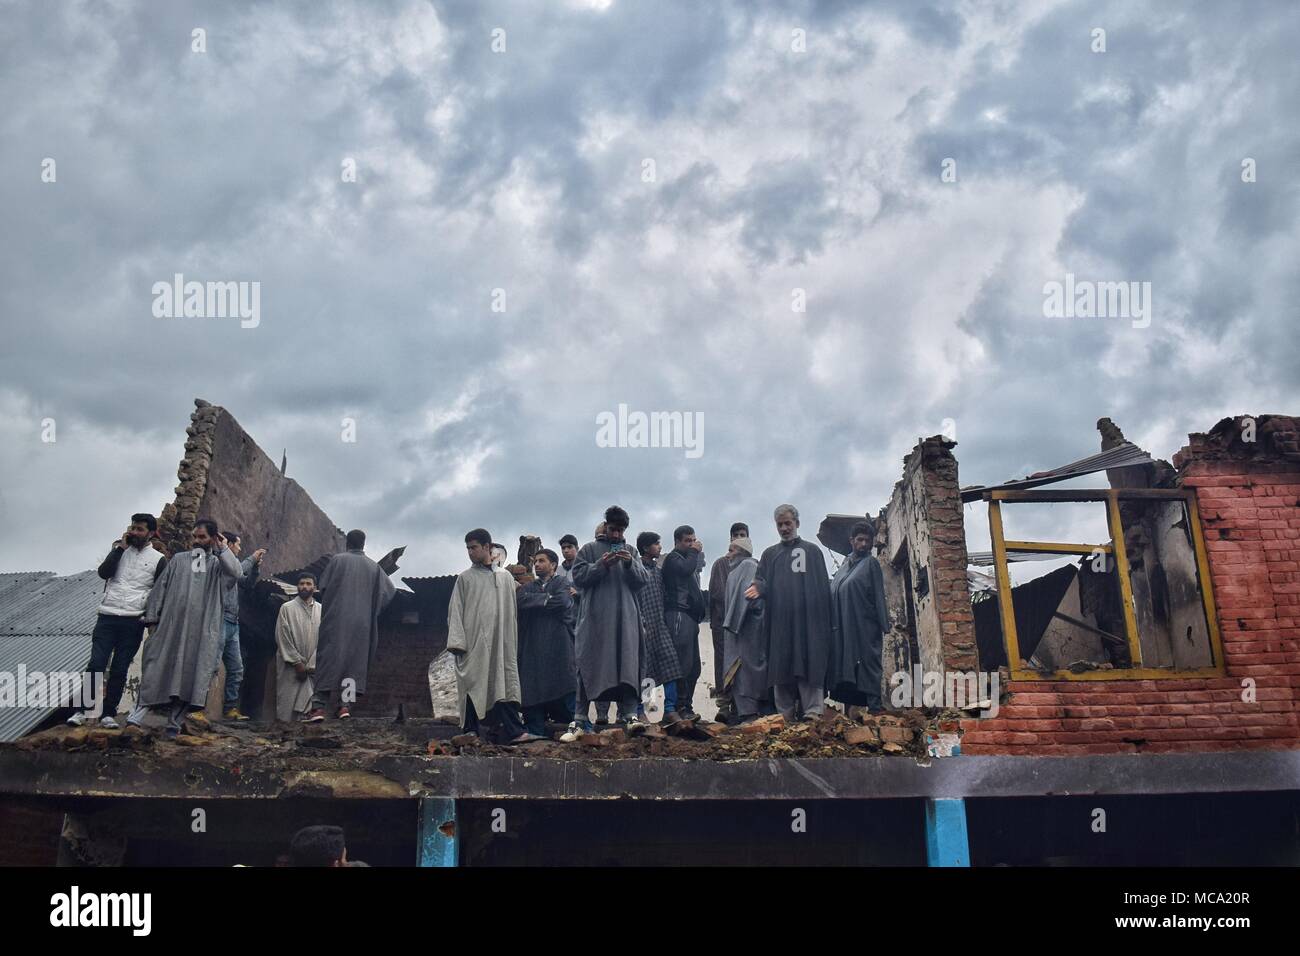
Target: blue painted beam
column 946, row 843
column 439, row 836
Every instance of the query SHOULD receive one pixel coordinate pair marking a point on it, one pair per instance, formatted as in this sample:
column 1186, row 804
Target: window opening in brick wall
column 1134, row 604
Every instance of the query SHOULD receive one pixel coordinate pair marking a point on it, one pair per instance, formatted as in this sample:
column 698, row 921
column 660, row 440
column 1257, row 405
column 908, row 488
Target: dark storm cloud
column 522, row 171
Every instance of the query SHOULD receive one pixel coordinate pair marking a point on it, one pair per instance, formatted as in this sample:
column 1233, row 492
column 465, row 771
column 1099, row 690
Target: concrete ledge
column 55, row 774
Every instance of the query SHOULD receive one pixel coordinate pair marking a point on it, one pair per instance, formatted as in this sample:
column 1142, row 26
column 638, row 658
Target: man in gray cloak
column 354, row 591
column 744, row 650
column 859, row 620
column 297, row 630
column 793, row 582
column 718, row 574
column 608, row 575
column 482, row 635
column 184, row 614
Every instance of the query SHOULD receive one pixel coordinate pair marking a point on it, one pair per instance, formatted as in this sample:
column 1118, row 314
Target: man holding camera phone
column 608, row 640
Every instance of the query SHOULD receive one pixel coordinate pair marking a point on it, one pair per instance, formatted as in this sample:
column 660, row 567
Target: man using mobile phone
column 184, row 609
column 231, row 654
column 608, row 639
column 129, row 573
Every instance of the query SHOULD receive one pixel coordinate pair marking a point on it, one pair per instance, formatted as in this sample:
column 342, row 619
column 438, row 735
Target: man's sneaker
column 671, row 717
column 526, row 738
column 686, row 713
column 199, row 719
column 343, row 713
column 233, row 713
column 574, row 732
column 314, row 716
column 77, row 719
column 108, row 723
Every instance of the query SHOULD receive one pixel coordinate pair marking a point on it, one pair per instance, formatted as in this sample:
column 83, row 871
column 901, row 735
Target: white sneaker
column 77, row 719
column 573, row 733
column 108, row 723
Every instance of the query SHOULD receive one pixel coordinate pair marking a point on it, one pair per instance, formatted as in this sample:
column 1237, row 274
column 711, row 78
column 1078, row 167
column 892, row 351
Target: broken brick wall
column 1246, row 472
column 922, row 549
column 399, row 674
column 225, row 476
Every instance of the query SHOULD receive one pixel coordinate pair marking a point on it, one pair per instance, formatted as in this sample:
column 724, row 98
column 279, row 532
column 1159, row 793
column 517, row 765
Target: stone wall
column 225, row 476
column 178, row 517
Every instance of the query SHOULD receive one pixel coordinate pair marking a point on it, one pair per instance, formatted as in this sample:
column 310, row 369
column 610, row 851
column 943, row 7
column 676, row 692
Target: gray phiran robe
column 796, row 589
column 297, row 632
column 546, row 667
column 354, row 591
column 659, row 657
column 859, row 620
column 743, row 627
column 482, row 635
column 184, row 645
column 609, row 633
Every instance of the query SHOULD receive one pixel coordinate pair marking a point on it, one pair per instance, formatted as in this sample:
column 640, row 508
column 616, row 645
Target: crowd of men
column 190, row 605
column 604, row 624
column 607, row 624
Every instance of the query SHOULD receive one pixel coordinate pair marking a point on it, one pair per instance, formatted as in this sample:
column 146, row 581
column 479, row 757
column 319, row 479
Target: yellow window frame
column 1111, row 497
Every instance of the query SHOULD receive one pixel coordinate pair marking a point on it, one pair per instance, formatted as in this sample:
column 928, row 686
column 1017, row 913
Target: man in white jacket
column 129, row 573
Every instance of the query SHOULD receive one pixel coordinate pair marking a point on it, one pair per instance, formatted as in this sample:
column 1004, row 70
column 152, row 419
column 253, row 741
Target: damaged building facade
column 224, row 475
column 1183, row 629
column 1153, row 671
column 1178, row 633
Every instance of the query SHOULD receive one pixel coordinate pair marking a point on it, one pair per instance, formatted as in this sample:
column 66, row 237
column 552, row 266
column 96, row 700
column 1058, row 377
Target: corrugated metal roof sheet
column 19, row 582
column 834, row 530
column 46, row 604
column 47, row 653
column 290, row 577
column 45, row 625
column 1120, row 456
column 984, row 559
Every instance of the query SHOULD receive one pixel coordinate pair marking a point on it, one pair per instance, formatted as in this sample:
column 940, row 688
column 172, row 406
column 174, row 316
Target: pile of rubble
column 348, row 744
column 832, row 735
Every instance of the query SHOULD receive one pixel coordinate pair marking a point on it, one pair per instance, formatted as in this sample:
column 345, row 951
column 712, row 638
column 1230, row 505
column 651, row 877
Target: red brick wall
column 1249, row 498
column 400, row 672
column 948, row 556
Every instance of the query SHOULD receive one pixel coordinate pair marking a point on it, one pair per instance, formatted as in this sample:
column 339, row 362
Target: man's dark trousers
column 113, row 644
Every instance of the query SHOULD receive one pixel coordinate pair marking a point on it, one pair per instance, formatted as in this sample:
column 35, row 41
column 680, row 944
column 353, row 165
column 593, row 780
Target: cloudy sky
column 647, row 183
